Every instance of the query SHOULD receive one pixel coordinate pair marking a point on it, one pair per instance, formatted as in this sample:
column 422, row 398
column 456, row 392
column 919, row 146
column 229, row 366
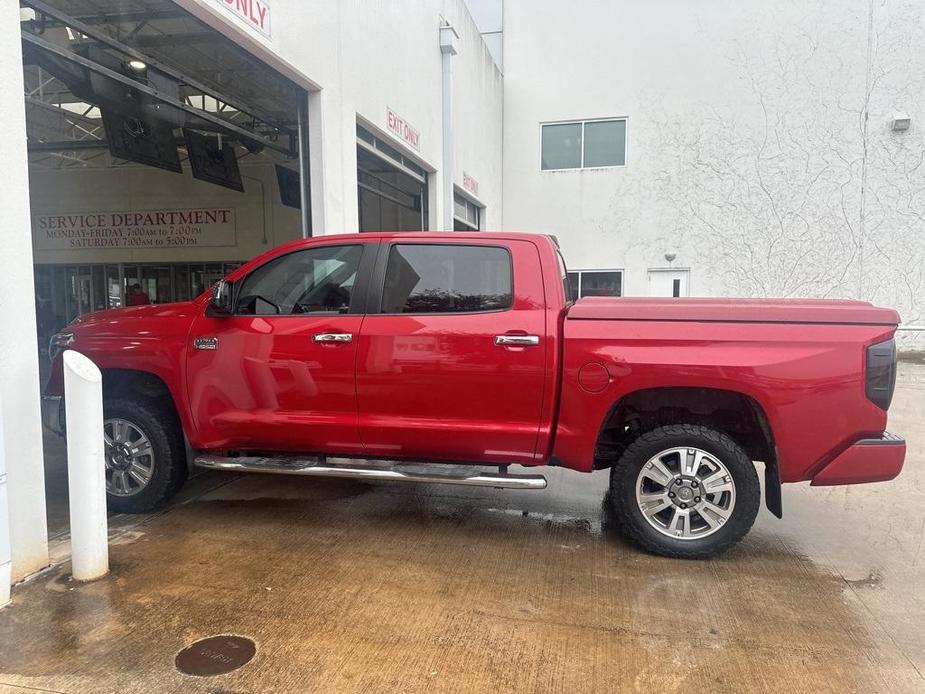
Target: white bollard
column 86, row 467
column 6, row 567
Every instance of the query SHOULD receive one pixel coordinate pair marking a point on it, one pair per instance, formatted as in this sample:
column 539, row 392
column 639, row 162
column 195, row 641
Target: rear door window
column 447, row 278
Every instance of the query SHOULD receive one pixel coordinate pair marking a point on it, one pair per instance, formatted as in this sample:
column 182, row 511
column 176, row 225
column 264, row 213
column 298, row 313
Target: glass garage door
column 63, row 292
column 391, row 189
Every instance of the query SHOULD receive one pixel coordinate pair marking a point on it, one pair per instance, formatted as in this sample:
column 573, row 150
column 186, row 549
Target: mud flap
column 772, row 495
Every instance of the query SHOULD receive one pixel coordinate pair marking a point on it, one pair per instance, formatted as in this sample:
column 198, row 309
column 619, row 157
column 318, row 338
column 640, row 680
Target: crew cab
column 448, row 357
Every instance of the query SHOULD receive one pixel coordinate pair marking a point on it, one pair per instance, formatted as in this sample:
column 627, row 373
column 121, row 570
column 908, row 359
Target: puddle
column 873, row 580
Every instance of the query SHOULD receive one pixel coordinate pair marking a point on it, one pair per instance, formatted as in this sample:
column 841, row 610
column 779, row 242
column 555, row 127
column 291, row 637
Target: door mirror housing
column 220, row 301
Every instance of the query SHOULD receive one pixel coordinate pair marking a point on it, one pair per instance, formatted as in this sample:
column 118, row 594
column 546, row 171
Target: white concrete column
column 86, row 467
column 449, row 46
column 316, row 157
column 19, row 366
column 6, row 557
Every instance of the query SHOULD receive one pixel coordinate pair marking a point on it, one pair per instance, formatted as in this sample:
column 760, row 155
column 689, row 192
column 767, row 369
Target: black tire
column 630, row 519
column 159, row 423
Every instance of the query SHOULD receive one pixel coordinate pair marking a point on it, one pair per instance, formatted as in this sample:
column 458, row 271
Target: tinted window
column 561, row 146
column 319, row 280
column 596, row 283
column 443, row 278
column 605, row 143
column 584, row 144
column 601, row 283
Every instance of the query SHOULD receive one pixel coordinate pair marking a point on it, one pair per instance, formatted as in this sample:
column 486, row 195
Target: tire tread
column 748, row 490
column 160, row 424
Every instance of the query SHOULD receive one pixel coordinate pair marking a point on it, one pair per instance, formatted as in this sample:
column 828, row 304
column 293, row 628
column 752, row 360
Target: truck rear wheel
column 684, row 491
column 144, row 454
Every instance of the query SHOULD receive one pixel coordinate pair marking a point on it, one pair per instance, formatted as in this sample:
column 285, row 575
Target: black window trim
column 377, row 289
column 358, row 297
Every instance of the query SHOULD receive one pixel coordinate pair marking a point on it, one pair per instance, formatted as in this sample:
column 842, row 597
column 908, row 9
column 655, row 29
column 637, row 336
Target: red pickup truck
column 369, row 355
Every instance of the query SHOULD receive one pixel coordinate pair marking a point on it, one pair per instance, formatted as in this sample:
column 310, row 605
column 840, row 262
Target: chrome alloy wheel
column 129, row 457
column 685, row 493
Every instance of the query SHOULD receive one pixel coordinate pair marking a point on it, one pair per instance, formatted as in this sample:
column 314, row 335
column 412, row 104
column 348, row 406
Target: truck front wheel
column 144, row 454
column 684, row 491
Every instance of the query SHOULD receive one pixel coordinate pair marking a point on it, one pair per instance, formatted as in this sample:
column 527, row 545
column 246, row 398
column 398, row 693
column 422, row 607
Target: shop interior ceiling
column 147, row 66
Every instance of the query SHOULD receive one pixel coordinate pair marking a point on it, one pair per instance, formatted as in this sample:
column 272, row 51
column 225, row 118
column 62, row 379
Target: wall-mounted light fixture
column 900, row 122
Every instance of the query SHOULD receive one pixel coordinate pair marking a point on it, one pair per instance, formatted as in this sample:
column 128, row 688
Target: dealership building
column 673, row 148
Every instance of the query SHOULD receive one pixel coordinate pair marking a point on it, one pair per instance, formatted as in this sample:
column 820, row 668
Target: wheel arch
column 734, row 413
column 118, row 382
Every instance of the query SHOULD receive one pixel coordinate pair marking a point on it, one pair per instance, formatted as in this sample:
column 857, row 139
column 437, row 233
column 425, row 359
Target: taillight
column 881, row 373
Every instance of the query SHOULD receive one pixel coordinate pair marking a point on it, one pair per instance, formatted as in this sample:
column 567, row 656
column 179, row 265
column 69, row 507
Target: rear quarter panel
column 808, row 379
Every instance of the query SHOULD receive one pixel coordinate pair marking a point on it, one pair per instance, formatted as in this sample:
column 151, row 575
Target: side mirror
column 220, row 301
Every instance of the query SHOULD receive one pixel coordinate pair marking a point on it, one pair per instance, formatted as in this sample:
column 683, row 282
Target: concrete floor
column 359, row 587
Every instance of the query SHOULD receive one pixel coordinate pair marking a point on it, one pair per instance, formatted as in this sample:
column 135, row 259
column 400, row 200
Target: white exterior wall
column 489, row 17
column 366, row 58
column 19, row 373
column 477, row 120
column 746, row 154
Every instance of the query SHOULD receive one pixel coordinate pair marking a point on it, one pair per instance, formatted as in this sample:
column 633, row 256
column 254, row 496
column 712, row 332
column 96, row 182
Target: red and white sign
column 470, row 184
column 400, row 127
column 204, row 226
column 255, row 14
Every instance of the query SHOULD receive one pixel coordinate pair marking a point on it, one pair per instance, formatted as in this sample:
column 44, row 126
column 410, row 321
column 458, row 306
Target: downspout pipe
column 449, row 46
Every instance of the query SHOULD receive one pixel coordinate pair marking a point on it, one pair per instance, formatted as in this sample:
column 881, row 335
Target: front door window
column 319, row 280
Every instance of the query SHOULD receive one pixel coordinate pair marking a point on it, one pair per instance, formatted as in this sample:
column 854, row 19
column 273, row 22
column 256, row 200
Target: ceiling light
column 137, row 65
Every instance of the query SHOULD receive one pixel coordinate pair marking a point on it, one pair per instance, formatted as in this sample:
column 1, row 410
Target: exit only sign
column 403, row 129
column 255, row 14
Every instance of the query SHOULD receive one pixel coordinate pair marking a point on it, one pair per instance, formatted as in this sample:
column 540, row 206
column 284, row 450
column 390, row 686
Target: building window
column 467, row 216
column 584, row 144
column 595, row 283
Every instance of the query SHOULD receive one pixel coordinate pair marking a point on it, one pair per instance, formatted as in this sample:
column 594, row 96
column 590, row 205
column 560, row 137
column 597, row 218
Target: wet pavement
column 358, row 587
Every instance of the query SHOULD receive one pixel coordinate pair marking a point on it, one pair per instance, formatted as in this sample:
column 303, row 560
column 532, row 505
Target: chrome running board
column 399, row 472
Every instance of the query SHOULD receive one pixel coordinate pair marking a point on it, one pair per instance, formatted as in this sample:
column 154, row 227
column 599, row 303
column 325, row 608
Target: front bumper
column 868, row 460
column 53, row 413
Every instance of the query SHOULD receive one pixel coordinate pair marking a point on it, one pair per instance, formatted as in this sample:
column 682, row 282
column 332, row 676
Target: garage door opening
column 467, row 216
column 153, row 140
column 391, row 188
column 162, row 155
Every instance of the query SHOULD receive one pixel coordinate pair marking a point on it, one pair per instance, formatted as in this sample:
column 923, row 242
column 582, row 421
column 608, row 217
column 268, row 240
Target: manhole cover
column 215, row 655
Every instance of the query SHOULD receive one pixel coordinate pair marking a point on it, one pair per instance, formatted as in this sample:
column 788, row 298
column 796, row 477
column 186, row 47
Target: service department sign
column 172, row 228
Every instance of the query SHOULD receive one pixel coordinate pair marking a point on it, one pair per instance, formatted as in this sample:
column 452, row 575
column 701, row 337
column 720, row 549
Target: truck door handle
column 332, row 337
column 519, row 340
